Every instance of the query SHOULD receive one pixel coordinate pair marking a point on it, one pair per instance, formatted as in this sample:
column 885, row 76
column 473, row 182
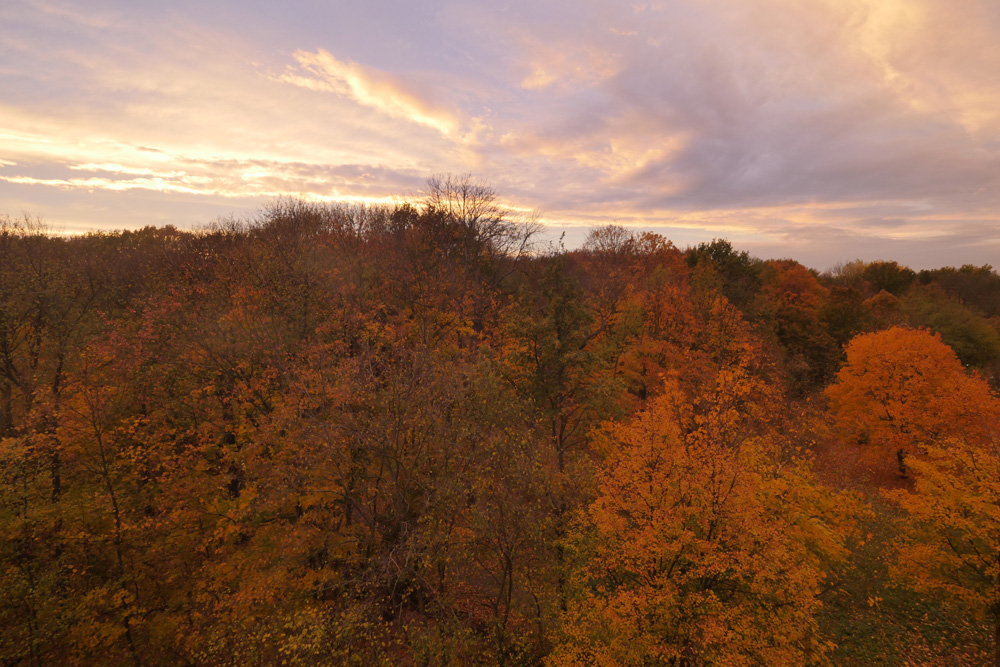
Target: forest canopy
column 417, row 435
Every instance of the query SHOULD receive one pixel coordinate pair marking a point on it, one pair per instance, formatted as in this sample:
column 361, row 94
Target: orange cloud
column 369, row 87
column 565, row 65
column 203, row 186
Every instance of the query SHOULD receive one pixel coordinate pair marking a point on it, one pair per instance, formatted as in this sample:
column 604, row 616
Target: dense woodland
column 415, row 435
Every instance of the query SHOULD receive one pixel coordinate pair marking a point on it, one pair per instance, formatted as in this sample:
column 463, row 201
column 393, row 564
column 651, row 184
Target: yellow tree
column 902, row 389
column 952, row 541
column 700, row 549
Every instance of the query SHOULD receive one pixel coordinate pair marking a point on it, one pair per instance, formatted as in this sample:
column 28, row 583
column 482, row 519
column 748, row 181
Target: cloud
column 180, row 108
column 854, row 121
column 232, row 179
column 780, row 100
column 369, row 87
column 564, row 65
column 157, row 184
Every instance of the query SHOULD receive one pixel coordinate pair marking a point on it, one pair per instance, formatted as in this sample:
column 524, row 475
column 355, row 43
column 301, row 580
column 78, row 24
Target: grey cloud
column 768, row 112
column 779, row 109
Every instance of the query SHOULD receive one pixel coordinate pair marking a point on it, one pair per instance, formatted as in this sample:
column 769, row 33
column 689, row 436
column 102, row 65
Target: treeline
column 415, row 435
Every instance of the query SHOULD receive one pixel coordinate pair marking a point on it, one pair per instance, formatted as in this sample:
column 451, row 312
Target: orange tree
column 902, row 389
column 700, row 548
column 790, row 302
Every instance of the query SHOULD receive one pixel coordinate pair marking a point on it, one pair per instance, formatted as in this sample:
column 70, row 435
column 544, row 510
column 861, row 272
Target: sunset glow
column 820, row 130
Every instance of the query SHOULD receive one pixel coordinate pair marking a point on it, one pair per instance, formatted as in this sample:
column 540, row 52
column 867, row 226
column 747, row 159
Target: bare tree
column 493, row 233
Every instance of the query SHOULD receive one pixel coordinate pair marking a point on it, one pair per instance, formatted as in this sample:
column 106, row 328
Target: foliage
column 888, row 276
column 971, row 336
column 697, row 550
column 974, row 286
column 903, row 389
column 409, row 435
column 952, row 540
column 791, row 302
column 737, row 272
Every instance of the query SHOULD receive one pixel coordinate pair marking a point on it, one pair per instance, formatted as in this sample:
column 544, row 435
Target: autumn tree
column 951, row 539
column 844, row 315
column 656, row 327
column 790, row 302
column 550, row 357
column 902, row 389
column 698, row 550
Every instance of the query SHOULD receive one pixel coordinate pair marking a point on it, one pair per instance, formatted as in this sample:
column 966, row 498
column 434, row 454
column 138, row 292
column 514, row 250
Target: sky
column 821, row 130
